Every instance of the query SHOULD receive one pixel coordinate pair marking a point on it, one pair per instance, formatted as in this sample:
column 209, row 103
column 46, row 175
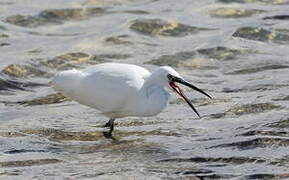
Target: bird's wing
column 108, row 87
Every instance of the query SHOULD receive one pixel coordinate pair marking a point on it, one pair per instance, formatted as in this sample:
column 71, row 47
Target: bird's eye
column 170, row 77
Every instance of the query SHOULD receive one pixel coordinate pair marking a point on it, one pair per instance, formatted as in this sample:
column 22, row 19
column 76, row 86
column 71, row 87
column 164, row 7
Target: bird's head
column 170, row 78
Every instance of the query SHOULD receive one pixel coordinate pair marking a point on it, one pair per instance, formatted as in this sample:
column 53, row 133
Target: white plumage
column 119, row 90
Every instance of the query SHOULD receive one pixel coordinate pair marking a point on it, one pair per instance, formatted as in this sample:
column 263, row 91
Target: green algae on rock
column 260, row 34
column 234, row 12
column 54, row 16
column 155, row 27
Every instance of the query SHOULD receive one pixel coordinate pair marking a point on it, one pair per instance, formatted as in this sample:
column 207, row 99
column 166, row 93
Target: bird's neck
column 152, row 80
column 153, row 97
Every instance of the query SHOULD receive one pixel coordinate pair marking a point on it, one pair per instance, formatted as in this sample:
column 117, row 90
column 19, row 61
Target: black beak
column 174, row 79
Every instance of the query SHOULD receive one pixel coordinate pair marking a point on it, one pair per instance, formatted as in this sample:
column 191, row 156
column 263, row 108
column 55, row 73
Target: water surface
column 236, row 50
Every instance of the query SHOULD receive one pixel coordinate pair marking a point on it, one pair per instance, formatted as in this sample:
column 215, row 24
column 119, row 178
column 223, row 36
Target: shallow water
column 236, row 50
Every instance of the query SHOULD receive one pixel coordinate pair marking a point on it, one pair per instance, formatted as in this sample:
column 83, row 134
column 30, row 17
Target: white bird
column 120, row 90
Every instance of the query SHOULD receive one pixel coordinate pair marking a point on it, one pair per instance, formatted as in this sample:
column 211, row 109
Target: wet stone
column 8, row 85
column 286, row 98
column 35, row 162
column 277, row 17
column 282, row 30
column 154, row 27
column 19, row 151
column 259, row 142
column 252, row 108
column 2, row 35
column 50, row 99
column 200, row 58
column 232, row 160
column 112, row 56
column 54, row 16
column 24, row 71
column 117, row 40
column 234, row 13
column 72, row 60
column 260, row 34
column 175, row 60
column 4, row 44
column 256, row 1
column 10, row 134
column 266, row 133
column 282, row 123
column 221, row 53
column 136, row 12
column 249, row 70
column 257, row 87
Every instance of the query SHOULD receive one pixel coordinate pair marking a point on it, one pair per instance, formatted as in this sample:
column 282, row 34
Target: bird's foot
column 107, row 134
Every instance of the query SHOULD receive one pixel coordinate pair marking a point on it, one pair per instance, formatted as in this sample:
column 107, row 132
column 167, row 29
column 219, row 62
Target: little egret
column 120, row 90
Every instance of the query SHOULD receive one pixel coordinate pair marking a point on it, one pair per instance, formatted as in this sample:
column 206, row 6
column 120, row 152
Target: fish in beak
column 173, row 80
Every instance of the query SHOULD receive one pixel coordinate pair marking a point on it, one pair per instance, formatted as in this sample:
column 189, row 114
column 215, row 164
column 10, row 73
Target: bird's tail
column 66, row 81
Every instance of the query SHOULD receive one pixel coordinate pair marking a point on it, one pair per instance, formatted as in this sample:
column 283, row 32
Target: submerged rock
column 117, row 40
column 7, row 85
column 256, row 1
column 277, row 17
column 24, row 71
column 232, row 160
column 286, row 98
column 258, row 142
column 281, row 124
column 252, row 108
column 135, row 12
column 49, row 99
column 160, row 27
column 175, row 60
column 199, row 58
column 234, row 12
column 248, row 70
column 2, row 35
column 34, row 162
column 4, row 44
column 222, row 53
column 260, row 34
column 54, row 16
column 72, row 60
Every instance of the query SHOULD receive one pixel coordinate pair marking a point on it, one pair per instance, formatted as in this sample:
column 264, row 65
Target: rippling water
column 236, row 50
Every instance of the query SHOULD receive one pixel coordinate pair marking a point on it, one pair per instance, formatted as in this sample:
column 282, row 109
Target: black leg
column 109, row 124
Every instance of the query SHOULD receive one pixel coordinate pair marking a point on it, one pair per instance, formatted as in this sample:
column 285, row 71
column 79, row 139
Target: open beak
column 180, row 92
